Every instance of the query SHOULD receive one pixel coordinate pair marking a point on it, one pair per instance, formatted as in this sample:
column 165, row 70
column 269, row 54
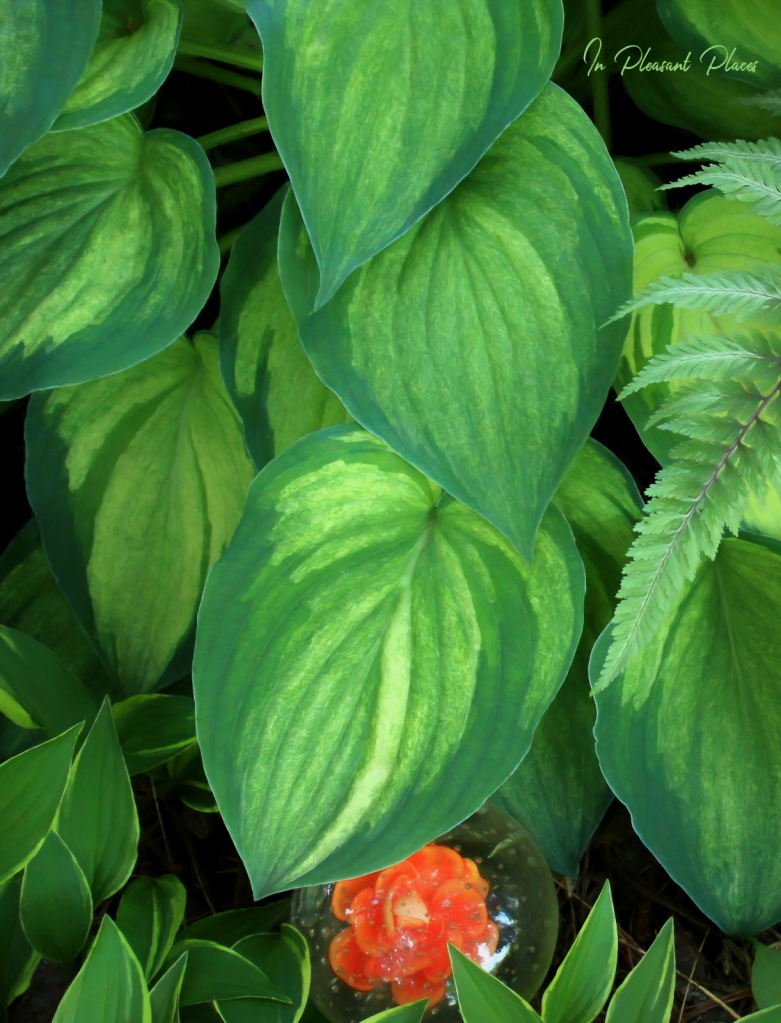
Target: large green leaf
column 710, row 105
column 31, row 788
column 472, row 345
column 413, row 96
column 163, row 439
column 149, row 915
column 56, row 906
column 485, row 999
column 362, row 643
column 215, row 972
column 285, row 957
column 558, row 792
column 107, row 252
column 646, row 995
column 35, row 685
column 710, row 235
column 98, row 819
column 153, row 728
column 742, row 30
column 702, row 695
column 133, row 54
column 32, row 602
column 18, row 959
column 266, row 371
column 44, row 48
column 109, row 987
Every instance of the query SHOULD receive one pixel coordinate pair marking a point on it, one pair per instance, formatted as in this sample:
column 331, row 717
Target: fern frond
column 747, row 296
column 748, row 171
column 769, row 100
column 703, row 491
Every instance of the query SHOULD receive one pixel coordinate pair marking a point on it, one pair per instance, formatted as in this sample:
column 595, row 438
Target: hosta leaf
column 18, row 959
column 32, row 602
column 164, row 996
column 163, row 439
column 31, row 787
column 712, row 234
column 752, row 30
column 646, row 995
column 215, row 972
column 446, row 344
column 133, row 54
column 44, row 48
column 766, row 976
column 702, row 694
column 558, row 792
column 485, row 999
column 107, row 252
column 153, row 728
column 110, row 986
column 98, row 819
column 414, row 96
column 56, row 905
column 149, row 915
column 640, row 184
column 230, row 927
column 348, row 675
column 37, row 684
column 285, row 957
column 267, row 373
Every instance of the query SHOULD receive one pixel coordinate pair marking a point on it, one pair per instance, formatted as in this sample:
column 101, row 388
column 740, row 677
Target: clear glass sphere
column 381, row 940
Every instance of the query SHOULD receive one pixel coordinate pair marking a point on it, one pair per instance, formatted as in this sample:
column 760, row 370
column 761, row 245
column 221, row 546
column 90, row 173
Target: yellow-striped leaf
column 107, row 252
column 472, row 345
column 44, row 48
column 133, row 54
column 379, row 109
column 372, row 660
column 268, row 375
column 163, row 440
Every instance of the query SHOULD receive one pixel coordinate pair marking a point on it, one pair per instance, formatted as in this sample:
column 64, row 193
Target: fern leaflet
column 769, row 100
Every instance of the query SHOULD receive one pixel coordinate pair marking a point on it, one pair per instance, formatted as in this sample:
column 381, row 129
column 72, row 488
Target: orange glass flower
column 401, row 920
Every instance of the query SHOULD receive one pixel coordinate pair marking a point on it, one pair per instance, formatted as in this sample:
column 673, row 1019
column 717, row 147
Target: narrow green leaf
column 32, row 602
column 98, row 819
column 230, row 927
column 663, row 737
column 266, row 371
column 215, row 972
column 584, row 980
column 56, row 906
column 31, row 787
column 18, row 958
column 133, row 54
column 485, row 999
column 285, row 957
column 44, row 48
column 411, row 1013
column 149, row 915
column 163, row 439
column 109, row 987
column 558, row 792
column 766, row 976
column 772, row 1015
column 646, row 996
column 411, row 120
column 164, row 996
column 121, row 219
column 153, row 728
column 350, row 572
column 34, row 678
column 452, row 370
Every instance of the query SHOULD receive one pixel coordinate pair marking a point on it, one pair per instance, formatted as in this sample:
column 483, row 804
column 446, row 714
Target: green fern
column 769, row 100
column 730, row 449
column 748, row 171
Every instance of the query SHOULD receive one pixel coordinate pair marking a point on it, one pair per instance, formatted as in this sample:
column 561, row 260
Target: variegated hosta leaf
column 412, row 96
column 107, row 252
column 472, row 345
column 558, row 792
column 372, row 660
column 266, row 371
column 641, row 186
column 44, row 48
column 132, row 57
column 712, row 234
column 138, row 481
column 689, row 737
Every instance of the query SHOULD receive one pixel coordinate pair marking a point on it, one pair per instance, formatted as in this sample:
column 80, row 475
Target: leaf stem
column 242, row 130
column 224, row 54
column 599, row 80
column 201, row 69
column 242, row 170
